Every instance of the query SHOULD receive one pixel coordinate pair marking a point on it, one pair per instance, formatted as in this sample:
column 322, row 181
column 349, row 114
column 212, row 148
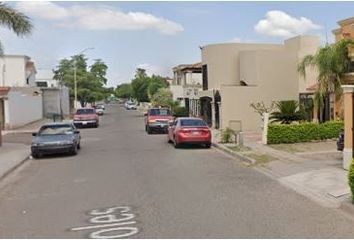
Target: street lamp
column 75, row 82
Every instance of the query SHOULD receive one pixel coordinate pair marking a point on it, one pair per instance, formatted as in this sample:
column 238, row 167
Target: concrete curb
column 13, row 168
column 235, row 154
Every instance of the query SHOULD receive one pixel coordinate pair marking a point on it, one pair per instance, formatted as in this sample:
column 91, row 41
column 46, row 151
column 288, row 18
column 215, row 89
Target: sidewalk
column 311, row 169
column 15, row 149
column 12, row 155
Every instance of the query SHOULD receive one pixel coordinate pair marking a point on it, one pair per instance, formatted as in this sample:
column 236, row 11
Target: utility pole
column 75, row 80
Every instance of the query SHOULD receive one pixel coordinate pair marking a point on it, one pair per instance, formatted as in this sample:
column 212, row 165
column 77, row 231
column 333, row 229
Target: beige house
column 238, row 74
column 187, row 81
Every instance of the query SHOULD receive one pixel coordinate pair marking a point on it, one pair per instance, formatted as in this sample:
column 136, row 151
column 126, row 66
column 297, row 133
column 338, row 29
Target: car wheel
column 74, row 151
column 208, row 145
column 175, row 144
column 35, row 155
column 79, row 146
column 149, row 131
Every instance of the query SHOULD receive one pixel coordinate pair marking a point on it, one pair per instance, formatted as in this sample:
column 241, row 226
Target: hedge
column 303, row 132
column 351, row 179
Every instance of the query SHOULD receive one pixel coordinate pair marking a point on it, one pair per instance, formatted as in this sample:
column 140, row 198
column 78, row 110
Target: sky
column 160, row 35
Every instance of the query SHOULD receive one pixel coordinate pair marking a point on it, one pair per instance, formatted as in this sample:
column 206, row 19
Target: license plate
column 84, row 123
column 195, row 133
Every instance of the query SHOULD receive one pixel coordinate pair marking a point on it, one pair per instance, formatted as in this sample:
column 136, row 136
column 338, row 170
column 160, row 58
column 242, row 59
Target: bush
column 351, row 179
column 227, row 135
column 180, row 111
column 303, row 132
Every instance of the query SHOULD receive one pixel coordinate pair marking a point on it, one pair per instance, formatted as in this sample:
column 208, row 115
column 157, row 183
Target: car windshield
column 85, row 111
column 193, row 123
column 159, row 112
column 56, row 130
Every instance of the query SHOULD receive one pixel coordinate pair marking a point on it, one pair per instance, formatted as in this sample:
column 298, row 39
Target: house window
column 205, row 77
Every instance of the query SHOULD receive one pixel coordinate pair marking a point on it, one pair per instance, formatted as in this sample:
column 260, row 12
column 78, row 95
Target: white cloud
column 45, row 10
column 236, row 40
column 153, row 69
column 98, row 18
column 280, row 24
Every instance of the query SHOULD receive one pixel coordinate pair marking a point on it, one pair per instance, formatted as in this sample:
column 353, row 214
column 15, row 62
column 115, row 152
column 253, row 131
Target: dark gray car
column 56, row 138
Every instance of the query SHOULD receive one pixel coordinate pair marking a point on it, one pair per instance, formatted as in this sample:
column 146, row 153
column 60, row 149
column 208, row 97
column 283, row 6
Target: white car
column 130, row 106
column 99, row 111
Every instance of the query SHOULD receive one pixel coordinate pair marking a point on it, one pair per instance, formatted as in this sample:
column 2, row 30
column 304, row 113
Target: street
column 158, row 191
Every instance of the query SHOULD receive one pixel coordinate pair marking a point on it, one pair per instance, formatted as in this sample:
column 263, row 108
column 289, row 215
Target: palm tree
column 288, row 112
column 331, row 63
column 15, row 21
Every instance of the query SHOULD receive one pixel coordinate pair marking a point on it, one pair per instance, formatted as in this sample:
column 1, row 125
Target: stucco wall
column 275, row 78
column 177, row 91
column 21, row 109
column 13, row 74
column 224, row 63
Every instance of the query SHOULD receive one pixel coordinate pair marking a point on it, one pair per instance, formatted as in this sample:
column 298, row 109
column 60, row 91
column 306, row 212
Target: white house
column 44, row 78
column 20, row 99
column 187, row 81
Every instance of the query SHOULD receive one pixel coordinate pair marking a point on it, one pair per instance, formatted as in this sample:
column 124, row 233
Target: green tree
column 90, row 80
column 331, row 63
column 163, row 98
column 140, row 86
column 124, row 90
column 15, row 21
column 155, row 83
column 288, row 112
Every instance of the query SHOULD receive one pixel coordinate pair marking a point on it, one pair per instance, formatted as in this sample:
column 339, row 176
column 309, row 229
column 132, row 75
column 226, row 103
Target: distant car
column 189, row 131
column 158, row 119
column 55, row 138
column 100, row 109
column 131, row 106
column 100, row 106
column 340, row 141
column 86, row 117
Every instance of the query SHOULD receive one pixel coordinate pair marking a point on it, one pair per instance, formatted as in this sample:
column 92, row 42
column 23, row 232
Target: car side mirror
column 34, row 134
column 76, row 131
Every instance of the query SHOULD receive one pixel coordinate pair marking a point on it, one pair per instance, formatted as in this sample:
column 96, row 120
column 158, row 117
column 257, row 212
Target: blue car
column 55, row 138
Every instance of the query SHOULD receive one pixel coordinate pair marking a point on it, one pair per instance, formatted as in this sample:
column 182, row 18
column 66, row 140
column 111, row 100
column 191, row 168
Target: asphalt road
column 162, row 192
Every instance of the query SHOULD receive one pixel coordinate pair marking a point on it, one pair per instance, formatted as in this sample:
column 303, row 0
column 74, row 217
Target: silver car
column 55, row 138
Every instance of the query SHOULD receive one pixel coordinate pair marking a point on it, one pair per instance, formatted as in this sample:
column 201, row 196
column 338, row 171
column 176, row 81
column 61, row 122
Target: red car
column 158, row 119
column 86, row 117
column 190, row 131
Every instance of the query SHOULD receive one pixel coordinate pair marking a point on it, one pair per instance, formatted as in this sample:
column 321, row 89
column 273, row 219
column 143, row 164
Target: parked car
column 100, row 106
column 158, row 119
column 55, row 138
column 340, row 141
column 99, row 109
column 86, row 117
column 189, row 131
column 131, row 106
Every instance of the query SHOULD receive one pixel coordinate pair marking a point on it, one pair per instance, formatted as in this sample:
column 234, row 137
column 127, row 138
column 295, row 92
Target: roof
column 346, row 21
column 194, row 66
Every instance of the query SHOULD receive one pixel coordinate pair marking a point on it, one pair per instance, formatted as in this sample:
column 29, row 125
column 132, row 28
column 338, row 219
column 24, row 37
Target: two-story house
column 187, row 81
column 238, row 74
column 20, row 98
